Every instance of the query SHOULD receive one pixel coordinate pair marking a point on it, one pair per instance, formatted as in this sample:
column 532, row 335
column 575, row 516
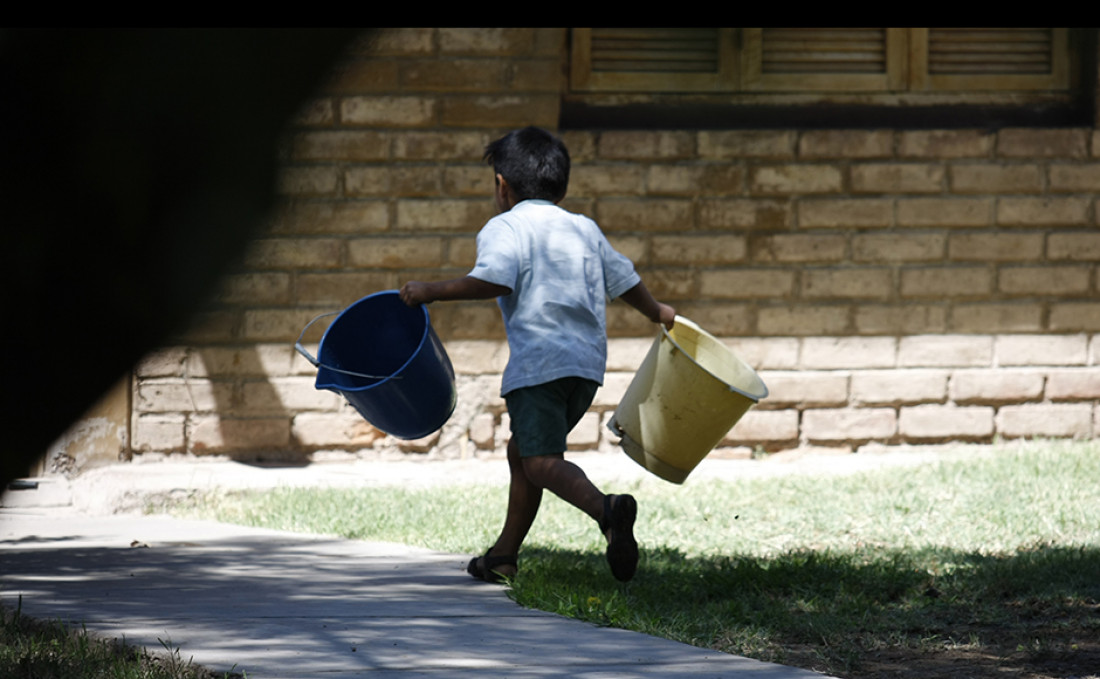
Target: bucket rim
column 381, row 379
column 756, row 398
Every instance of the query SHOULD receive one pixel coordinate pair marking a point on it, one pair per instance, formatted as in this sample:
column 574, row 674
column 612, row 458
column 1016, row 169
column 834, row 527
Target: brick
column 627, row 354
column 586, row 435
column 1079, row 246
column 250, row 360
column 1080, row 384
column 315, row 113
column 996, row 386
column 939, row 422
column 939, row 282
column 895, row 387
column 767, row 353
column 798, row 248
column 897, row 178
column 1044, row 280
column 478, row 357
column 503, row 111
column 637, row 248
column 613, row 389
column 162, row 433
column 699, row 250
column 738, row 213
column 396, row 253
column 645, row 215
column 831, row 353
column 765, row 426
column 309, row 181
column 1075, row 317
column 486, row 41
column 944, row 212
column 1042, row 419
column 999, row 247
column 285, row 394
column 726, row 180
column 739, row 144
column 340, row 146
column 255, row 289
column 1049, row 211
column 206, row 327
column 295, row 253
column 275, row 325
column 471, row 180
column 995, row 178
column 844, row 424
column 1042, row 143
column 340, row 429
column 900, row 319
column 805, row 388
column 388, row 111
column 982, row 317
column 1046, row 349
column 804, row 320
column 433, row 146
column 453, row 75
column 845, row 213
column 747, row 283
column 645, row 145
column 795, row 179
column 898, row 247
column 362, row 76
column 1074, row 178
column 442, row 215
column 186, row 396
column 164, row 362
column 846, row 144
column 216, row 434
column 321, row 218
column 386, row 181
column 941, row 351
column 721, row 319
column 607, row 180
column 338, row 289
column 398, row 42
column 847, row 284
column 945, row 143
column 673, row 284
column 537, row 75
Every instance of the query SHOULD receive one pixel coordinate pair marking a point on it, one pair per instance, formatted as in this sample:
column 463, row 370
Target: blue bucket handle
column 317, row 364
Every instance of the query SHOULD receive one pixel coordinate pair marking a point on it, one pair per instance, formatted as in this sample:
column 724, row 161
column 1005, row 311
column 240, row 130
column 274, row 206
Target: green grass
column 992, row 562
column 34, row 649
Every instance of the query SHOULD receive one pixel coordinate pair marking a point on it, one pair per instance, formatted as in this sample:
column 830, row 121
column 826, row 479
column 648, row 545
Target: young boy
column 553, row 272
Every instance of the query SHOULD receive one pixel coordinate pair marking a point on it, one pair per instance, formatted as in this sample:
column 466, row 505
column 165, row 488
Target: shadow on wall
column 133, row 166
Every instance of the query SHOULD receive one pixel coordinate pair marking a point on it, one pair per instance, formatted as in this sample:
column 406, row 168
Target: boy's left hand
column 415, row 292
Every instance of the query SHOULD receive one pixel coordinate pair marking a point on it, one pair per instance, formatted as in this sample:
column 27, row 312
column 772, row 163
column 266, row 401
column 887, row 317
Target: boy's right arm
column 467, row 287
column 641, row 299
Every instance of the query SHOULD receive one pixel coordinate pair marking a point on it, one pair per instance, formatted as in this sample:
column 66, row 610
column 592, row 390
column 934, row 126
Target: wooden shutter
column 824, row 59
column 653, row 59
column 990, row 59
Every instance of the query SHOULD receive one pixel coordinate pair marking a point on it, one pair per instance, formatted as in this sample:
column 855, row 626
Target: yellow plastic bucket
column 688, row 393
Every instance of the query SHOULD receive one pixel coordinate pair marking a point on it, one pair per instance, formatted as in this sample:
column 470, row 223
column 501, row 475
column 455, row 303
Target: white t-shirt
column 562, row 271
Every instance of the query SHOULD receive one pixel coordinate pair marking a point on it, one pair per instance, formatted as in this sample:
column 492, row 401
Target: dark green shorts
column 543, row 415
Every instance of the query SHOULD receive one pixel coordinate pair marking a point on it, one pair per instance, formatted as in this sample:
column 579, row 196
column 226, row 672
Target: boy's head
column 533, row 163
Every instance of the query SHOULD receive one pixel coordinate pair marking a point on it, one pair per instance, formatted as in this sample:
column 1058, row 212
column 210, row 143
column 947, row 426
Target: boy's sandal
column 619, row 512
column 485, row 567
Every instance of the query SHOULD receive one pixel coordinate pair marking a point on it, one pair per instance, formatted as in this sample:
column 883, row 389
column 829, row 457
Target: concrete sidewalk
column 276, row 604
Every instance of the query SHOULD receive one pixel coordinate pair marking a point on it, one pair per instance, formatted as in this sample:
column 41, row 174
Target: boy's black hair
column 534, row 162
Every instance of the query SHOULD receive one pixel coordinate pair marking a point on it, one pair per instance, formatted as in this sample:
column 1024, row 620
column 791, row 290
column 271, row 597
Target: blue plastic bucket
column 384, row 357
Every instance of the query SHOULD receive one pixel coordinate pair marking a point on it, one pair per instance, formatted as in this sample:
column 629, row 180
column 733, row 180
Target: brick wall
column 890, row 285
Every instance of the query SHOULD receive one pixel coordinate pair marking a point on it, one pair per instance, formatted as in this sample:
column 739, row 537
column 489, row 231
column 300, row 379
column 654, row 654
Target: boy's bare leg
column 524, row 498
column 567, row 481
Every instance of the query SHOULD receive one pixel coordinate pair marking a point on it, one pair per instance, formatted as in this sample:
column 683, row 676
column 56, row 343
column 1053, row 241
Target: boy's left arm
column 467, row 287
